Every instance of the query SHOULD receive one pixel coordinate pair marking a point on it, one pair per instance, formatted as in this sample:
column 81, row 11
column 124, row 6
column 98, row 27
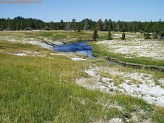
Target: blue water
column 77, row 47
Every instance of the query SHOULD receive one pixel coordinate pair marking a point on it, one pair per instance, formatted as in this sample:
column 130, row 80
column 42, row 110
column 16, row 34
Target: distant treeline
column 20, row 23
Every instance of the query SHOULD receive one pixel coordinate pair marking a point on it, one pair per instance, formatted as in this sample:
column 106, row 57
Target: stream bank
column 83, row 48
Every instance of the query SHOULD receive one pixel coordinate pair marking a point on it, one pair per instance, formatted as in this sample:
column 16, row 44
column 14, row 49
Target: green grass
column 38, row 89
column 4, row 45
column 43, row 89
column 67, row 36
column 13, row 48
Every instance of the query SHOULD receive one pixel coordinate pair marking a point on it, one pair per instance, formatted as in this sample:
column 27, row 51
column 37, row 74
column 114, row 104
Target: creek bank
column 117, row 62
column 83, row 48
column 53, row 44
column 138, row 66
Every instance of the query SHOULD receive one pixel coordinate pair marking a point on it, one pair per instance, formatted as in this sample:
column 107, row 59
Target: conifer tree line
column 20, row 23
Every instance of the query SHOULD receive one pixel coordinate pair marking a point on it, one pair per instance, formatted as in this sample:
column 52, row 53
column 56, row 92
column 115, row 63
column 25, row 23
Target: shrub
column 95, row 35
column 109, row 35
column 123, row 36
column 147, row 35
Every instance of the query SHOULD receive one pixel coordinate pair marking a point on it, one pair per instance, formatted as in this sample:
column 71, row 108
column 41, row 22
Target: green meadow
column 42, row 88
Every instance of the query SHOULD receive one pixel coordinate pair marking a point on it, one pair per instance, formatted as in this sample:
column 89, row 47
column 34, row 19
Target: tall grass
column 38, row 89
column 43, row 90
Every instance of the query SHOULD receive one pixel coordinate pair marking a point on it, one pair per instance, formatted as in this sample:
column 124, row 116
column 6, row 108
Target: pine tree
column 124, row 27
column 123, row 36
column 106, row 25
column 161, row 35
column 51, row 25
column 95, row 35
column 154, row 35
column 86, row 26
column 62, row 25
column 68, row 27
column 109, row 35
column 100, row 25
column 20, row 23
column 73, row 24
column 79, row 27
column 147, row 35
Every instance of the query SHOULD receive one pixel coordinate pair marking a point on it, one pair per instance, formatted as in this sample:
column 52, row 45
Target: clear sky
column 55, row 10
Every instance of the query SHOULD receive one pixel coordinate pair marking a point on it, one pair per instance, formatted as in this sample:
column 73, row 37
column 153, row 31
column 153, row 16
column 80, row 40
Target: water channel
column 83, row 48
column 77, row 47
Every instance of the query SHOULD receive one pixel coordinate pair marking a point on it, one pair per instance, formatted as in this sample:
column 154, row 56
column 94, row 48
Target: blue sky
column 55, row 10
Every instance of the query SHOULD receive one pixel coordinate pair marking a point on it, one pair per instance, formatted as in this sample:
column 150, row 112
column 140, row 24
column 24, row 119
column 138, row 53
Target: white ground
column 137, row 48
column 113, row 120
column 78, row 59
column 136, row 84
column 31, row 41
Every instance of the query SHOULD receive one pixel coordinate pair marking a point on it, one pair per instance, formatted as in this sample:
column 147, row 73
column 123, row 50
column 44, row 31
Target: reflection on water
column 78, row 47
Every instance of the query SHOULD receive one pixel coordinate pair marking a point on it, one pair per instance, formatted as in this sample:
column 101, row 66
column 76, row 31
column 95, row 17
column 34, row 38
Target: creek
column 83, row 48
column 77, row 47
